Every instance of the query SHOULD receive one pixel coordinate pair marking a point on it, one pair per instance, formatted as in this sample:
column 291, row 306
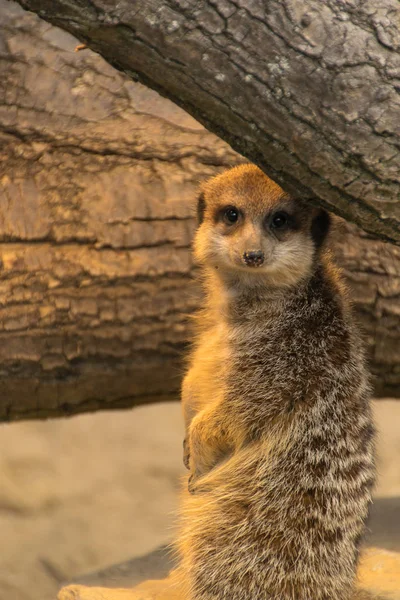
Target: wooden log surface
column 308, row 90
column 98, row 176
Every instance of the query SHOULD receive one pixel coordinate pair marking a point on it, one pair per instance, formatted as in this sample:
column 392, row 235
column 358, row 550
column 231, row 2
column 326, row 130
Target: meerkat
column 276, row 401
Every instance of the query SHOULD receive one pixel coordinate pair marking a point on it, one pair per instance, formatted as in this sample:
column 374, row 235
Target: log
column 98, row 176
column 306, row 89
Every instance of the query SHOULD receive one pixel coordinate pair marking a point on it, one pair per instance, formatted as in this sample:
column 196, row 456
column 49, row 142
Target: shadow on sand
column 384, row 524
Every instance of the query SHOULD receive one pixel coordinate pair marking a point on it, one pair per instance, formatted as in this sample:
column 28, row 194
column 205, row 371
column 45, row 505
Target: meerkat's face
column 251, row 228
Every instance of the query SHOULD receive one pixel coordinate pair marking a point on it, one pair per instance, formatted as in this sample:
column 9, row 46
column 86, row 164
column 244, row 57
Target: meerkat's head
column 249, row 228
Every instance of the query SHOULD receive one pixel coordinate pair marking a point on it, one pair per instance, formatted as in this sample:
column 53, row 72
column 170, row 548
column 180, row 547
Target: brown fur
column 276, row 404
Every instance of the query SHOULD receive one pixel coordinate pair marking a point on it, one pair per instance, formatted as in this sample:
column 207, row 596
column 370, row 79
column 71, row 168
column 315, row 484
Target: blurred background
column 98, row 179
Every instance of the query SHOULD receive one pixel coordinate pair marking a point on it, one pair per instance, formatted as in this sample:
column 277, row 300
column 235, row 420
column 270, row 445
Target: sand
column 80, row 494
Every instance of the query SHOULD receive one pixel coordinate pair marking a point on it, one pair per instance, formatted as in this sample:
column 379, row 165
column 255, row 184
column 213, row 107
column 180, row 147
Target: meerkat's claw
column 192, row 484
column 186, row 453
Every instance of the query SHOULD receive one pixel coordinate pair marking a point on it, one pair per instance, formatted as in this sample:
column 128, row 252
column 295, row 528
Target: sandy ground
column 77, row 495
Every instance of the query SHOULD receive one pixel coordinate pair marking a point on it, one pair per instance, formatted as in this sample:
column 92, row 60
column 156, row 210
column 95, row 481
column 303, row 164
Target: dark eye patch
column 280, row 221
column 229, row 215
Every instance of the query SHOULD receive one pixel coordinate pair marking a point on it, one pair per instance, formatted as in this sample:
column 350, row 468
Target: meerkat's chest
column 276, row 352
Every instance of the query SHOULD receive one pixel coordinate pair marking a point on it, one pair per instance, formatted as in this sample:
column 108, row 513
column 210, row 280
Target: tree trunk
column 97, row 181
column 308, row 90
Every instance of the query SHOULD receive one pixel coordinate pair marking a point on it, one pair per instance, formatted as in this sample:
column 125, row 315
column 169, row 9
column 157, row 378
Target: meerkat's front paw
column 186, row 453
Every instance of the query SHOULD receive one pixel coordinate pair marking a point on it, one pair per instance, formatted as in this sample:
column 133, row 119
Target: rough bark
column 308, row 90
column 97, row 179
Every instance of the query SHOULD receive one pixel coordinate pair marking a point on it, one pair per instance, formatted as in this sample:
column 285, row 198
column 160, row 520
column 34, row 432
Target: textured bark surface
column 97, row 180
column 372, row 271
column 308, row 90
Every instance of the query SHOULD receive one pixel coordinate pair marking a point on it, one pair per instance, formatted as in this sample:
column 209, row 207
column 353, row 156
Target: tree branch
column 308, row 90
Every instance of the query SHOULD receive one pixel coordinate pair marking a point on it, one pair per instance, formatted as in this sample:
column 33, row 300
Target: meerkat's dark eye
column 279, row 220
column 230, row 215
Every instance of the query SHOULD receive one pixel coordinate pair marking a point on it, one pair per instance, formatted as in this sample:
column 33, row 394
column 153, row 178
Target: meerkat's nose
column 254, row 258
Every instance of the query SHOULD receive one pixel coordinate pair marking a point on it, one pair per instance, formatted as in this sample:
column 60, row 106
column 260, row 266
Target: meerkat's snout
column 254, row 258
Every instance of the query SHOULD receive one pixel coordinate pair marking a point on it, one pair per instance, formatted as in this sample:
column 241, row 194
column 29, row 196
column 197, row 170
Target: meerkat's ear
column 201, row 207
column 320, row 227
